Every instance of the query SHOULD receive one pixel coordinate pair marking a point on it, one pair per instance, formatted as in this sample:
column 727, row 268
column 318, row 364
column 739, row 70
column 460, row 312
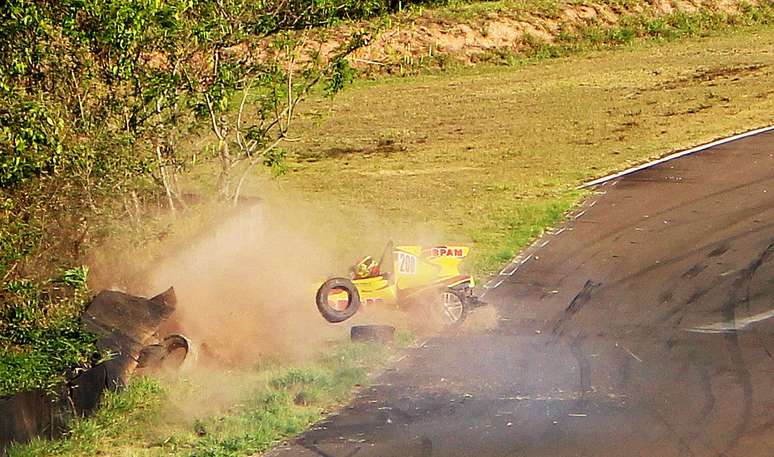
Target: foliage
column 40, row 334
column 148, row 419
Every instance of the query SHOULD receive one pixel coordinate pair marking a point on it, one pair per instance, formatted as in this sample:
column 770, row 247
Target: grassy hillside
column 493, row 155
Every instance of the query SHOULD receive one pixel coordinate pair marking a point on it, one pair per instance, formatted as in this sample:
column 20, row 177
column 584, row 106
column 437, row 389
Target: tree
column 94, row 98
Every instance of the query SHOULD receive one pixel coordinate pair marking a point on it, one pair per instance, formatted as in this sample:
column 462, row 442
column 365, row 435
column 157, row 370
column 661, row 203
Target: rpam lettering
column 444, row 251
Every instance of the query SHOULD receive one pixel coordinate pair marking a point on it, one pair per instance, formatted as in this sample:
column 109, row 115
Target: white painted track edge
column 674, row 156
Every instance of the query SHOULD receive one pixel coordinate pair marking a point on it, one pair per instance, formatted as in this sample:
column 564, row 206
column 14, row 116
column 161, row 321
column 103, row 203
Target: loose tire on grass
column 173, row 353
column 335, row 314
column 382, row 334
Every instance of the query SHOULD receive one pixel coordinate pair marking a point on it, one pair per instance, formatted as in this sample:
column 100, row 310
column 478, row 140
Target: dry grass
column 492, row 155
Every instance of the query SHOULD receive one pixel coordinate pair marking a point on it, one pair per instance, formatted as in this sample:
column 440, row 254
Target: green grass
column 492, row 155
column 40, row 332
column 194, row 417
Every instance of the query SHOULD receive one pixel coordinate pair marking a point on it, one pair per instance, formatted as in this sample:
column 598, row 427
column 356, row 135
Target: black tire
column 171, row 353
column 382, row 334
column 330, row 313
column 452, row 317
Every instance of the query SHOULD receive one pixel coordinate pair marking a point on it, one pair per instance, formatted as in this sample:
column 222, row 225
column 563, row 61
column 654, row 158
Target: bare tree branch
column 245, row 92
column 253, row 161
column 164, row 181
column 214, row 121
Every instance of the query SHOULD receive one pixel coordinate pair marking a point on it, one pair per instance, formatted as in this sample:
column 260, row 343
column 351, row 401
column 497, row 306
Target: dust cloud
column 246, row 284
column 246, row 280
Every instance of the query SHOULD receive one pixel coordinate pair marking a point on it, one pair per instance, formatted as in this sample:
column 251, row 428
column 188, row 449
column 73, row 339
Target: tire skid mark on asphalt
column 700, row 434
column 695, row 270
column 575, row 305
column 741, row 371
column 743, row 281
column 723, row 243
column 709, row 396
column 682, row 444
column 721, row 327
column 683, row 256
column 744, row 378
column 681, row 309
column 733, row 218
column 719, row 251
column 703, row 418
column 659, row 214
column 575, row 344
column 705, row 414
column 764, row 345
column 584, row 370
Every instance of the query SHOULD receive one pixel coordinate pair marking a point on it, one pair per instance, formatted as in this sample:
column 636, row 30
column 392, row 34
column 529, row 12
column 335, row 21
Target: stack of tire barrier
column 124, row 324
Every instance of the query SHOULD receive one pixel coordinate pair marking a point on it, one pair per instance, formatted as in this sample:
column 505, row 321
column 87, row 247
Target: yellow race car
column 415, row 275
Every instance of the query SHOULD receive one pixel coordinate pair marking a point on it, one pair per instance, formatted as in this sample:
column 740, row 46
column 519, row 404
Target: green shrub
column 40, row 333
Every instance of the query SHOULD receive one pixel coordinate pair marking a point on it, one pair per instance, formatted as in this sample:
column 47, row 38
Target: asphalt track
column 642, row 328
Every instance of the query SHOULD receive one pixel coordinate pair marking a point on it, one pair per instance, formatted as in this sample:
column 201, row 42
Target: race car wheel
column 338, row 299
column 451, row 307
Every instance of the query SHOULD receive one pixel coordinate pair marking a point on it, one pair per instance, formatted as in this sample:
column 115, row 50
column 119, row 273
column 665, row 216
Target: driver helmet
column 366, row 267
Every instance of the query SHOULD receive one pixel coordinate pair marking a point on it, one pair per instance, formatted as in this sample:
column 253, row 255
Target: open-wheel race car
column 411, row 276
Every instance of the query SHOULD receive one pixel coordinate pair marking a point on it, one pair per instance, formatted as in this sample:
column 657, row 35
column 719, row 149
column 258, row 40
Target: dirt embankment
column 468, row 35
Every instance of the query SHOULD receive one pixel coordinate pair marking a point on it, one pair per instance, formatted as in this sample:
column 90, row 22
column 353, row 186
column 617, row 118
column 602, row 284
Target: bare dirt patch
column 381, row 146
column 462, row 36
column 712, row 75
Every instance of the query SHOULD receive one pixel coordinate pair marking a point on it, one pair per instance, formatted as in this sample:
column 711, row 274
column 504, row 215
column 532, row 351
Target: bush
column 40, row 332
